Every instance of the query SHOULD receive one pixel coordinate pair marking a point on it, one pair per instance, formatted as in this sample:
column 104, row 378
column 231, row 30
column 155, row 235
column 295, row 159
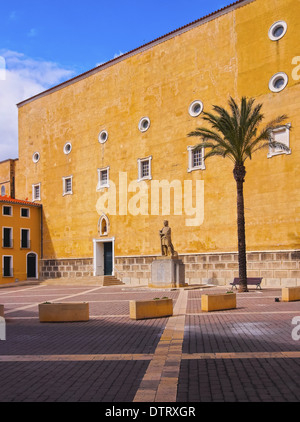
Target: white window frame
column 11, row 266
column 102, row 185
column 103, row 217
column 140, row 168
column 67, row 148
column 36, row 157
column 11, row 211
column 65, row 179
column 274, row 152
column 11, row 238
column 29, row 239
column 279, row 75
column 192, row 111
column 275, row 26
column 191, row 166
column 103, row 136
column 34, row 199
column 143, row 120
column 24, row 208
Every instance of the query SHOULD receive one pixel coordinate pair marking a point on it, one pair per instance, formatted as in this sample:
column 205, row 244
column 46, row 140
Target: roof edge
column 163, row 38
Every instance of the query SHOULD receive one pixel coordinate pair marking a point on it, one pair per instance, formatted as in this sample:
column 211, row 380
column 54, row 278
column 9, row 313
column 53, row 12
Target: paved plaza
column 243, row 355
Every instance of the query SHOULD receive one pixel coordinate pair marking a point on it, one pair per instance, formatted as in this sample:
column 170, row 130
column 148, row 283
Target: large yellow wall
column 229, row 55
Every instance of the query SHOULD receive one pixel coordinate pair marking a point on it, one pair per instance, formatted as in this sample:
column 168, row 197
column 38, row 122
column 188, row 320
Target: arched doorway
column 31, row 265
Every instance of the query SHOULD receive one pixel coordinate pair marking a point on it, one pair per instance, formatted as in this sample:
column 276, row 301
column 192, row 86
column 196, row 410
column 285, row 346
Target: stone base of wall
column 66, row 268
column 278, row 269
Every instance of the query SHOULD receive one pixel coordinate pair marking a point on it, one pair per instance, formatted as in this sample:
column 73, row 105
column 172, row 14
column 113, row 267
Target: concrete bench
column 290, row 294
column 251, row 281
column 64, row 312
column 146, row 309
column 218, row 302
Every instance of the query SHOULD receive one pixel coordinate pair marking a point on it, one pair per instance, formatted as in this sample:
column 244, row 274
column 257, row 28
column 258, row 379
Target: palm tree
column 236, row 135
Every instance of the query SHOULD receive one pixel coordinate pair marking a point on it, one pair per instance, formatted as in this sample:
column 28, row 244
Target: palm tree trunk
column 239, row 175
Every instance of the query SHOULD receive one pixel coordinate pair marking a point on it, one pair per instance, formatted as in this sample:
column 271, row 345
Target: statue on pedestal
column 167, row 247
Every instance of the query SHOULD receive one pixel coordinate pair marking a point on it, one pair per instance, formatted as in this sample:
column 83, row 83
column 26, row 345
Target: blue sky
column 45, row 42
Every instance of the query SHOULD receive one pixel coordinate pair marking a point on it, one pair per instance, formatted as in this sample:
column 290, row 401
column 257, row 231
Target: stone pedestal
column 167, row 272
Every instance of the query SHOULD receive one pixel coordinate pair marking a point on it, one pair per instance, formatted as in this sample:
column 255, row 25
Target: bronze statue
column 167, row 247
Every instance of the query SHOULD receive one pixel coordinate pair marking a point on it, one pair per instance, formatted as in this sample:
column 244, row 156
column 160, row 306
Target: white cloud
column 24, row 78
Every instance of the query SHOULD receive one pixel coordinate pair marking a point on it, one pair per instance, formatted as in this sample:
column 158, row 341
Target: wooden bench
column 252, row 281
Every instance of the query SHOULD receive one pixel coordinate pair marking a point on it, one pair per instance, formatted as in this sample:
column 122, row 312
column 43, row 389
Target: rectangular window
column 103, row 178
column 7, row 239
column 144, row 169
column 7, row 210
column 25, row 239
column 36, row 192
column 281, row 135
column 25, row 212
column 68, row 185
column 7, row 266
column 196, row 159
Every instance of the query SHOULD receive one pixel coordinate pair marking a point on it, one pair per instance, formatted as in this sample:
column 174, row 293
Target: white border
column 191, row 167
column 66, row 152
column 191, row 112
column 64, row 179
column 24, row 208
column 33, row 192
column 103, row 132
column 36, row 160
column 12, row 211
column 274, row 26
column 140, row 161
column 273, row 80
column 108, row 240
column 141, row 128
column 106, row 185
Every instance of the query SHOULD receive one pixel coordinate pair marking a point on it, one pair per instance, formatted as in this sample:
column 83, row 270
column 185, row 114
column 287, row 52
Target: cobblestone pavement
column 246, row 354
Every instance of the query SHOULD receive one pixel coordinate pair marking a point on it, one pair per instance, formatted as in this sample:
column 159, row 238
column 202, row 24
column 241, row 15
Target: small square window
column 7, row 210
column 144, row 168
column 68, row 185
column 25, row 212
column 103, row 178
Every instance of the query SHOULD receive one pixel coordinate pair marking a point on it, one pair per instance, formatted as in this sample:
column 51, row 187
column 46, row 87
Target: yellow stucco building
column 20, row 223
column 103, row 151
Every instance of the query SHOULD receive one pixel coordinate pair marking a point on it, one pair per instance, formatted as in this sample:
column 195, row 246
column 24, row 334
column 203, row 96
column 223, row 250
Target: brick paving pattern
column 245, row 354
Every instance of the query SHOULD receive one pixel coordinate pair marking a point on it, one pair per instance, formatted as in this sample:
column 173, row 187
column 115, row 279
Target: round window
column 278, row 82
column 144, row 124
column 36, row 157
column 67, row 148
column 277, row 30
column 196, row 108
column 103, row 137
